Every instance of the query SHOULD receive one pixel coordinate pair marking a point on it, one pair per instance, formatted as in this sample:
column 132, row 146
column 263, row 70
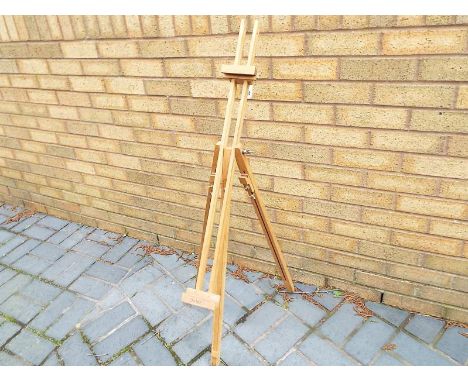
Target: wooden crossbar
column 220, row 188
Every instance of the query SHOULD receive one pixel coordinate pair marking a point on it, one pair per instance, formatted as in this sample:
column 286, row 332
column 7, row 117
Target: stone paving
column 77, row 295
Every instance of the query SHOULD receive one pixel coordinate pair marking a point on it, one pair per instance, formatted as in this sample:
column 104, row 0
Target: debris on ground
column 150, row 249
column 389, row 347
column 454, row 324
column 359, row 305
column 239, row 273
column 283, row 292
column 20, row 215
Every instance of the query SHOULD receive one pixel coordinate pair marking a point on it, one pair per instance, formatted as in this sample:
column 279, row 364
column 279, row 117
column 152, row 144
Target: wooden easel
column 220, row 185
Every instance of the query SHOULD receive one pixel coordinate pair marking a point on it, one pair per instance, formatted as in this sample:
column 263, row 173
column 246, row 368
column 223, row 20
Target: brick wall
column 357, row 123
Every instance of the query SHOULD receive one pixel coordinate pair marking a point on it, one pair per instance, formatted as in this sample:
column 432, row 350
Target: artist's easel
column 220, row 185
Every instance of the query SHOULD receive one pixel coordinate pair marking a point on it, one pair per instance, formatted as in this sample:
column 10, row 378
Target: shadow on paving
column 77, row 295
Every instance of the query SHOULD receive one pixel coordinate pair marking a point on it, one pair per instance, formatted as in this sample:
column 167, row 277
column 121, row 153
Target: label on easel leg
column 250, row 92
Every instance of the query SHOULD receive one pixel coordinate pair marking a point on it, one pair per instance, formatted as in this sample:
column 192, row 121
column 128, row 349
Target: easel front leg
column 247, row 180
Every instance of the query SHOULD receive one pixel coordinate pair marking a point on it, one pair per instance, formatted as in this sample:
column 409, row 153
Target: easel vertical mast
column 221, row 185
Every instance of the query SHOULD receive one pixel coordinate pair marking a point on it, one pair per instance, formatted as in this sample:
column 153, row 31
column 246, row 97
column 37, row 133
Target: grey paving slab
column 48, row 251
column 53, row 222
column 424, row 327
column 31, row 264
column 121, row 338
column 8, row 210
column 282, row 338
column 151, row 307
column 11, row 360
column 259, row 321
column 416, row 353
column 167, row 261
column 140, row 279
column 90, row 287
column 52, row 360
column 64, row 233
column 38, row 232
column 7, row 331
column 170, row 291
column 341, row 324
column 21, row 308
column 327, row 300
column 76, row 237
column 108, row 321
column 295, row 359
column 455, row 344
column 152, row 352
column 236, row 353
column 6, row 274
column 124, row 360
column 267, row 285
column 306, row 310
column 184, row 273
column 389, row 313
column 13, row 285
column 110, row 273
column 233, row 311
column 324, row 353
column 41, row 292
column 19, row 251
column 31, row 347
column 24, row 224
column 90, row 248
column 105, row 237
column 67, row 269
column 248, row 295
column 178, row 325
column 204, row 360
column 5, row 235
column 74, row 352
column 120, row 249
column 368, row 341
column 53, row 311
column 9, row 245
column 387, row 360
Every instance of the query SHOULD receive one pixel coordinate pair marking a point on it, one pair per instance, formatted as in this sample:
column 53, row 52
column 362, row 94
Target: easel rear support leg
column 250, row 186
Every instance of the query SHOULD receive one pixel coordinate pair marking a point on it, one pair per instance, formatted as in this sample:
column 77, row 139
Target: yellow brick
column 80, row 166
column 126, row 161
column 458, row 146
column 148, row 104
column 274, row 131
column 281, row 23
column 115, row 132
column 63, row 112
column 200, row 25
column 360, row 231
column 355, row 22
column 23, row 81
column 278, row 91
column 443, row 69
column 432, row 207
column 376, row 160
column 343, row 43
column 381, row 69
column 184, row 67
column 101, row 67
column 458, row 230
column 301, row 188
column 219, row 24
column 368, row 116
column 436, row 166
column 182, row 25
column 42, row 96
column 393, row 219
column 172, row 122
column 429, row 41
column 407, row 141
column 162, row 48
column 34, row 66
column 74, row 99
column 454, row 189
column 168, row 87
column 387, row 252
column 333, row 92
column 328, row 22
column 280, row 45
column 337, row 175
column 322, row 114
column 404, row 21
column 332, row 209
column 438, row 20
column 331, row 241
column 305, row 68
column 144, row 68
column 105, row 26
column 87, row 84
column 190, row 106
column 108, row 101
column 125, row 85
column 133, row 26
column 65, row 67
column 384, row 283
column 156, row 137
column 443, row 121
column 361, row 196
column 95, row 115
column 336, row 136
column 304, row 22
column 411, row 95
column 418, row 275
column 462, row 99
column 117, row 49
column 301, row 220
column 435, row 244
column 79, row 49
column 212, row 46
column 72, row 140
column 402, row 183
column 415, row 304
column 131, row 118
column 276, row 167
column 255, row 110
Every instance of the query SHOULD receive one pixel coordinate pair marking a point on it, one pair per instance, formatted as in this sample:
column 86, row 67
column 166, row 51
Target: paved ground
column 76, row 295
